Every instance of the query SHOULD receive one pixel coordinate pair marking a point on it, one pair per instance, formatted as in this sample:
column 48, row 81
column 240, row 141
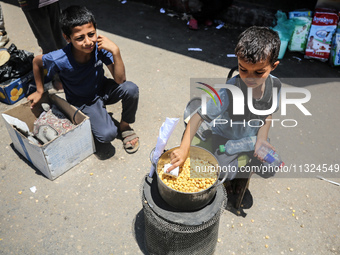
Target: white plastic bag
column 164, row 134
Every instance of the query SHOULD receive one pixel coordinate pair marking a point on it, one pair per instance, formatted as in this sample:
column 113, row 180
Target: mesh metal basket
column 169, row 231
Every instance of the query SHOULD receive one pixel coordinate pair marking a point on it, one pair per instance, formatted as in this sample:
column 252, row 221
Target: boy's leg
column 229, row 164
column 3, row 34
column 54, row 13
column 127, row 92
column 2, row 22
column 263, row 169
column 102, row 126
column 42, row 23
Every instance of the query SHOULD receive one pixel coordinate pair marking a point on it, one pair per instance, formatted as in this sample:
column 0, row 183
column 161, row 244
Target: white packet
column 174, row 172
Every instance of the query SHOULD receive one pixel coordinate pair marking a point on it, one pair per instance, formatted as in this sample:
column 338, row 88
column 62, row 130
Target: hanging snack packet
column 320, row 36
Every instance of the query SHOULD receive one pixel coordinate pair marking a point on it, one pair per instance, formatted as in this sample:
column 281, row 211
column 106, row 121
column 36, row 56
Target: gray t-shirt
column 235, row 127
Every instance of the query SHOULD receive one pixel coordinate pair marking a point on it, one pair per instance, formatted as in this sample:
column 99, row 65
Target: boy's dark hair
column 74, row 16
column 257, row 44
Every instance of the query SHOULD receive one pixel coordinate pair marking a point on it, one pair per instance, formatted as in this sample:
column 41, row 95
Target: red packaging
column 320, row 36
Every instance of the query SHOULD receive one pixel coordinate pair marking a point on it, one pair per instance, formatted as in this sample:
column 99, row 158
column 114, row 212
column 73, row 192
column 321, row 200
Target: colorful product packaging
column 15, row 89
column 323, row 27
column 335, row 51
column 300, row 13
column 299, row 37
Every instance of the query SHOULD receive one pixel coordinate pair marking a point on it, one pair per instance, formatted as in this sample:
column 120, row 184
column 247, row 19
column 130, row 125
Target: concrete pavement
column 80, row 213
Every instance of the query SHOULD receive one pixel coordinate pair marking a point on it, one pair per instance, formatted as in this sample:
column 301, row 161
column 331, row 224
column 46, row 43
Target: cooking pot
column 186, row 201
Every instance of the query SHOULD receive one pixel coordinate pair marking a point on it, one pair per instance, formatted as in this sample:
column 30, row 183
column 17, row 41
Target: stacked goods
column 335, row 51
column 299, row 13
column 298, row 40
column 320, row 36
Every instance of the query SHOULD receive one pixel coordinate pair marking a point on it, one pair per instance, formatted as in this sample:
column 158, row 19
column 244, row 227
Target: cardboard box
column 15, row 90
column 60, row 154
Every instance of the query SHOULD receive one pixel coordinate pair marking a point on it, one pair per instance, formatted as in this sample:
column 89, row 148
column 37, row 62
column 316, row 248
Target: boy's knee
column 107, row 135
column 131, row 89
column 267, row 170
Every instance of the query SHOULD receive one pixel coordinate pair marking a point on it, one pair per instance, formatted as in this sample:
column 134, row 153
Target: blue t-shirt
column 82, row 83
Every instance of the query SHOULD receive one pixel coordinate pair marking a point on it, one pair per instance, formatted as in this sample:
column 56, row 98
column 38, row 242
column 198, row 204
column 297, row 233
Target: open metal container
column 186, row 201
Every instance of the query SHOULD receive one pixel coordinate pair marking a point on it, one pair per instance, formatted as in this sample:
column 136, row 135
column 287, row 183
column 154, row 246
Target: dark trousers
column 2, row 22
column 44, row 23
column 102, row 125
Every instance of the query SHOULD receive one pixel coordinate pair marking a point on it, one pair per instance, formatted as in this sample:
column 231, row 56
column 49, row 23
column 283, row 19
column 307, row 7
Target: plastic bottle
column 237, row 146
column 270, row 156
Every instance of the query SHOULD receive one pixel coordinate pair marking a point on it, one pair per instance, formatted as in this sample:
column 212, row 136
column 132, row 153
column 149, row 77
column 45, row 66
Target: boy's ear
column 68, row 39
column 275, row 65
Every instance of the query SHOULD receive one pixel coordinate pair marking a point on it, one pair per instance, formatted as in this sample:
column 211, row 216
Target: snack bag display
column 320, row 36
column 298, row 40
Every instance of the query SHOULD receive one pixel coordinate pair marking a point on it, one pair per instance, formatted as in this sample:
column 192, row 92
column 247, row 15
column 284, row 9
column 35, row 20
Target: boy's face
column 254, row 75
column 83, row 38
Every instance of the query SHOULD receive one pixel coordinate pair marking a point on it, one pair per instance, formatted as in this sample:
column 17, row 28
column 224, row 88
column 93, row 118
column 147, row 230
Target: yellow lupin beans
column 191, row 178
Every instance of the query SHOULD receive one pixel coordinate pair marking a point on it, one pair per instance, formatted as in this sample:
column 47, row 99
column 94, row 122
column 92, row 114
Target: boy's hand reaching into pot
column 178, row 158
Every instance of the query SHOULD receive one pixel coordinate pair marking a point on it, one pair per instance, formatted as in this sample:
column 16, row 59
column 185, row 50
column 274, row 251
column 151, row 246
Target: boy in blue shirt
column 257, row 51
column 80, row 69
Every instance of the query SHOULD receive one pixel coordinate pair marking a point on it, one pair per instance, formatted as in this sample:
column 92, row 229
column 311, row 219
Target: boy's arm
column 117, row 69
column 38, row 71
column 179, row 155
column 262, row 136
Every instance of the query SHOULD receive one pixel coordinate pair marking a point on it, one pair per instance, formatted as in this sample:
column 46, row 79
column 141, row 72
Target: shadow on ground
column 138, row 230
column 37, row 172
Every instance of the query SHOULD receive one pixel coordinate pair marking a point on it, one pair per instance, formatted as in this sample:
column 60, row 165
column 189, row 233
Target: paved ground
column 102, row 213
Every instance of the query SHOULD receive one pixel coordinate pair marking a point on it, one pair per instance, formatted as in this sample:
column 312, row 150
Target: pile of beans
column 192, row 177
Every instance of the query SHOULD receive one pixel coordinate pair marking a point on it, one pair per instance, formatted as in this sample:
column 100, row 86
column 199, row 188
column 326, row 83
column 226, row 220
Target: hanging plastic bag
column 164, row 134
column 284, row 26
